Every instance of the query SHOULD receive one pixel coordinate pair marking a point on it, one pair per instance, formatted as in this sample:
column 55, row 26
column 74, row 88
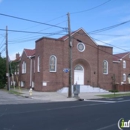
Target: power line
column 108, row 28
column 51, row 20
column 99, row 48
column 57, row 18
column 104, row 42
column 32, row 39
column 19, row 31
column 2, row 40
column 2, row 50
column 2, row 46
column 6, row 15
column 109, row 44
column 51, row 27
column 42, row 30
column 90, row 8
column 111, row 35
column 26, row 40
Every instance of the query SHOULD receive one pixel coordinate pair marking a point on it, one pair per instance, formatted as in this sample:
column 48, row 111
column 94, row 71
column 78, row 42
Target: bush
column 3, row 78
column 113, row 91
column 2, row 85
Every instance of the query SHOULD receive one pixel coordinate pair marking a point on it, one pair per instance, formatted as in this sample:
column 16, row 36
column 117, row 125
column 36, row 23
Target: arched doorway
column 79, row 75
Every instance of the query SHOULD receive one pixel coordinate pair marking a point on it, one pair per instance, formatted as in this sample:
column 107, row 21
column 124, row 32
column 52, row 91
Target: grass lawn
column 114, row 95
column 15, row 92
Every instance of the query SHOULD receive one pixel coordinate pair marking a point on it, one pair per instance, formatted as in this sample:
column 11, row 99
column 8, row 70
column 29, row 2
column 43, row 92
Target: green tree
column 14, row 69
column 2, row 72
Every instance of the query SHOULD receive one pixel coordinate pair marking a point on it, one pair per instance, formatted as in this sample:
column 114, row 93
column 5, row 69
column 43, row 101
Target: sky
column 90, row 15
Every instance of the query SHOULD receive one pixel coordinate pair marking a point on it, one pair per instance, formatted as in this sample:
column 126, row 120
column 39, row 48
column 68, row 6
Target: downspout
column 30, row 71
column 98, row 67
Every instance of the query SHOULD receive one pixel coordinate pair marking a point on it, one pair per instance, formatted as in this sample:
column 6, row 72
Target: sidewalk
column 55, row 96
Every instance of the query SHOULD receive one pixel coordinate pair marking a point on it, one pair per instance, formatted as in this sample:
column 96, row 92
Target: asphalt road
column 78, row 115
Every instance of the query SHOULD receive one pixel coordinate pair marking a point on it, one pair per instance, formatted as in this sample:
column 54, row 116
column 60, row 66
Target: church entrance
column 79, row 75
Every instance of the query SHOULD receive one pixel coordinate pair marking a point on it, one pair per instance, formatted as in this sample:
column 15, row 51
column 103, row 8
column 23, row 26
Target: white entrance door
column 79, row 75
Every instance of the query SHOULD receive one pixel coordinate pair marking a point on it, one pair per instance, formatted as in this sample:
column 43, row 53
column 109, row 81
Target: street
column 77, row 115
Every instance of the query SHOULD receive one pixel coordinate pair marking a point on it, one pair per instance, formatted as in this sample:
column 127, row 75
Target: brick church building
column 92, row 64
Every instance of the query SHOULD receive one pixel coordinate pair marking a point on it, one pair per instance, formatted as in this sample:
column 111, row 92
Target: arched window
column 124, row 77
column 124, row 64
column 38, row 64
column 105, row 67
column 53, row 63
column 23, row 67
column 79, row 67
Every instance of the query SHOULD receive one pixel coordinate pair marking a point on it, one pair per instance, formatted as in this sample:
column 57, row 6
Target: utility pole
column 7, row 60
column 70, row 58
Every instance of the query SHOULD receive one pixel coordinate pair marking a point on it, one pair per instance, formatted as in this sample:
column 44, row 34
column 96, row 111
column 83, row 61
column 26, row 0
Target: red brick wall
column 93, row 69
column 87, row 58
column 25, row 77
column 125, row 70
column 105, row 80
column 117, row 72
column 91, row 59
column 45, row 48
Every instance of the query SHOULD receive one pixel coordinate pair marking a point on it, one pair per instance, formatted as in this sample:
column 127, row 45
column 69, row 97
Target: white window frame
column 124, row 77
column 124, row 64
column 32, row 84
column 55, row 64
column 104, row 67
column 23, row 67
column 22, row 83
column 38, row 64
column 82, row 45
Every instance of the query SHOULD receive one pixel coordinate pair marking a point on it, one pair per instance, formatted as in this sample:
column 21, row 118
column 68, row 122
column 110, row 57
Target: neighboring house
column 92, row 64
column 121, row 67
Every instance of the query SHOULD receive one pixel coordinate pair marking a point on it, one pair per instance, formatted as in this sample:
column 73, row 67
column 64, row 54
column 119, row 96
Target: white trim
column 30, row 72
column 22, row 83
column 72, row 33
column 126, row 55
column 107, row 66
column 55, row 63
column 32, row 84
column 78, row 71
column 124, row 77
column 83, row 46
column 23, row 67
column 124, row 64
column 38, row 64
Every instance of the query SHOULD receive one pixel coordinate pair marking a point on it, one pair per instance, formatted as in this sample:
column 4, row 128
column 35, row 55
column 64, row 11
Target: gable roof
column 117, row 57
column 74, row 32
column 66, row 36
column 29, row 52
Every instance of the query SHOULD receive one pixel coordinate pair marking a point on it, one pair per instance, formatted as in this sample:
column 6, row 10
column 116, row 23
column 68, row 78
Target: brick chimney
column 17, row 55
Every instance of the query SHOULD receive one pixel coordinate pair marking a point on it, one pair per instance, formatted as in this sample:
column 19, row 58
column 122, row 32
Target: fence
column 122, row 88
